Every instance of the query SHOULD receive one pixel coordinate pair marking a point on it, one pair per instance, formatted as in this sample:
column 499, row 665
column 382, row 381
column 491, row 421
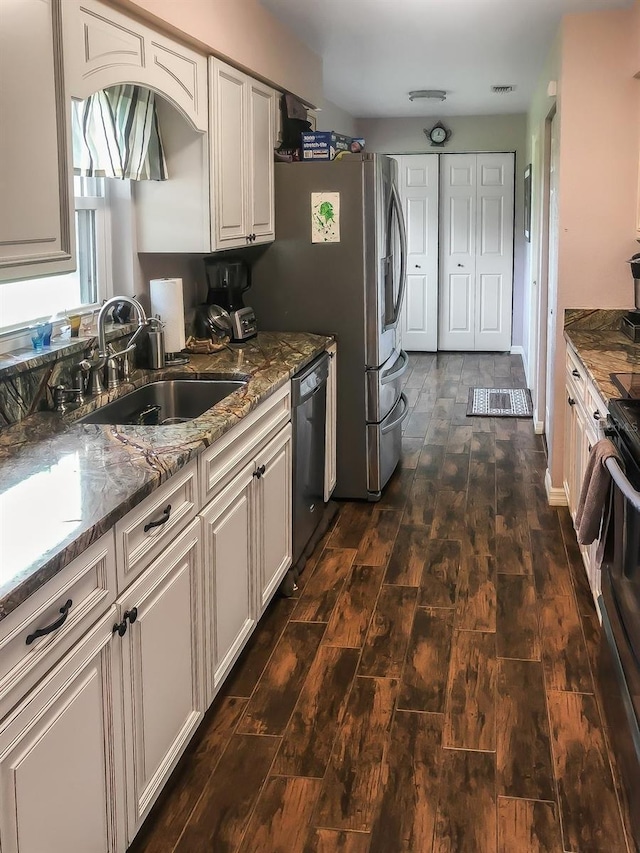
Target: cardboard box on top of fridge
column 323, row 145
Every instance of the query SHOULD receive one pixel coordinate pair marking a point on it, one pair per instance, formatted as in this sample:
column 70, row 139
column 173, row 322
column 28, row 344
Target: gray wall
column 469, row 133
column 331, row 117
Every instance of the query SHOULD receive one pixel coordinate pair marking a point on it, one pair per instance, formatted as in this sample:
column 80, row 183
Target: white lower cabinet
column 273, row 514
column 585, row 412
column 228, row 561
column 61, row 762
column 162, row 643
column 86, row 750
column 330, row 458
column 247, row 550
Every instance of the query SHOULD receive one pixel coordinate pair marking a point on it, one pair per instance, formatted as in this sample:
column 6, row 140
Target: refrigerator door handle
column 405, row 414
column 403, row 251
column 391, row 377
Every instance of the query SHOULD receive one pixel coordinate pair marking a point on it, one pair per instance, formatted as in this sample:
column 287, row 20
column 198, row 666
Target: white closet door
column 419, row 193
column 494, row 251
column 477, row 252
column 457, row 280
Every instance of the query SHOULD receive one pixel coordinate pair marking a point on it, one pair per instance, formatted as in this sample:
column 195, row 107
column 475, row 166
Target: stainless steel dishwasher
column 309, row 404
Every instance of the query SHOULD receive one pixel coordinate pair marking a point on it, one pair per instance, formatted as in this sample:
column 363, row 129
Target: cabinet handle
column 576, row 373
column 259, row 471
column 571, row 401
column 166, row 512
column 596, row 415
column 49, row 629
column 120, row 628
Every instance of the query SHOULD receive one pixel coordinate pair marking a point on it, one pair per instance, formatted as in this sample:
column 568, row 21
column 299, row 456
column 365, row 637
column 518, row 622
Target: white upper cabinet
column 36, row 215
column 229, row 145
column 242, row 142
column 220, row 190
column 106, row 48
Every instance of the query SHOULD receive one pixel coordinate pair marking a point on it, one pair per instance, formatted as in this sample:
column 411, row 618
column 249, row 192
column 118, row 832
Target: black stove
column 623, row 426
column 619, row 602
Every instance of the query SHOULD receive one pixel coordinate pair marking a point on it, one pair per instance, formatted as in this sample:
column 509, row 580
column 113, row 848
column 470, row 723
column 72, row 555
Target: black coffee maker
column 227, row 281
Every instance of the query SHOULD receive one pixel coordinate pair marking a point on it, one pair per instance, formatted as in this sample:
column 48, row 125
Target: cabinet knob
column 130, row 616
column 596, row 415
column 571, row 401
column 259, row 472
column 120, row 628
column 576, row 373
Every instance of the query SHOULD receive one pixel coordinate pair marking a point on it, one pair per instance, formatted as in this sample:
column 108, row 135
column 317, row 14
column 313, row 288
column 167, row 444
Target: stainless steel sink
column 169, row 401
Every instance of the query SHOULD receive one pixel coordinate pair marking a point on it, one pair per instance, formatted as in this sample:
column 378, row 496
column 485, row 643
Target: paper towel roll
column 167, row 301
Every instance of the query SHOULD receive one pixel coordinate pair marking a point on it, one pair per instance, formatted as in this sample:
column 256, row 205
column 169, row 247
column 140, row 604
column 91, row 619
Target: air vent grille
column 502, row 90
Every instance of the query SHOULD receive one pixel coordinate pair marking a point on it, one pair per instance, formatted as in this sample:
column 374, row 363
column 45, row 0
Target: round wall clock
column 438, row 134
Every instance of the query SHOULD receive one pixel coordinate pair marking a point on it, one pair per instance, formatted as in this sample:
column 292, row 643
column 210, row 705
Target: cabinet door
column 229, row 178
column 162, row 653
column 228, row 565
column 274, row 513
column 36, row 215
column 61, row 765
column 107, row 48
column 570, row 447
column 261, row 119
column 330, row 432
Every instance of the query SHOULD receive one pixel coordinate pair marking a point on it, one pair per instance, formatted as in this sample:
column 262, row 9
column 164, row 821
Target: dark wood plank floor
column 430, row 687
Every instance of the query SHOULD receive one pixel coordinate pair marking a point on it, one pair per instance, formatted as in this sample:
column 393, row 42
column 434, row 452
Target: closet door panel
column 494, row 258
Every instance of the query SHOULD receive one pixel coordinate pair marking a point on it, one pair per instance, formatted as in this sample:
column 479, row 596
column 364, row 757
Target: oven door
column 624, row 569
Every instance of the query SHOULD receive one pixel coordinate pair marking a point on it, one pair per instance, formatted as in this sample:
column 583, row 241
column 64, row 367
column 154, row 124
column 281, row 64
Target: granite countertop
column 604, row 351
column 62, row 486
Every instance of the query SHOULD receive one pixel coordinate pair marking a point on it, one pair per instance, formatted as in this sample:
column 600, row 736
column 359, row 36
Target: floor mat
column 499, row 403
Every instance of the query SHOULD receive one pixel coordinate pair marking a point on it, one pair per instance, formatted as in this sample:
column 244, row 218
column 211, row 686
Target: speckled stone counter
column 62, row 486
column 604, row 351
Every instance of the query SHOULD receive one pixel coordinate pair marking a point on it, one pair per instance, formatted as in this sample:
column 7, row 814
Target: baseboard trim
column 556, row 497
column 517, row 350
column 538, row 427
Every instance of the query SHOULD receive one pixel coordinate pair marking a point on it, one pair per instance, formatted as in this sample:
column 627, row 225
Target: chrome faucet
column 106, row 355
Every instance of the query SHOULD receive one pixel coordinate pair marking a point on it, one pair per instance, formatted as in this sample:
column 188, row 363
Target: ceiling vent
column 432, row 94
column 502, row 90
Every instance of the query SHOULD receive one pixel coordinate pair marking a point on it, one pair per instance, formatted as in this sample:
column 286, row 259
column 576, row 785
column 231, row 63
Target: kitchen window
column 27, row 301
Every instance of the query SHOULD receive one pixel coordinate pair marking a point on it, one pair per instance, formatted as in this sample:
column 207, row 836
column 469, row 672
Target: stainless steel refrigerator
column 352, row 287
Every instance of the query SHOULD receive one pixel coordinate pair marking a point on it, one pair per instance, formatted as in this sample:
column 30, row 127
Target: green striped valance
column 116, row 135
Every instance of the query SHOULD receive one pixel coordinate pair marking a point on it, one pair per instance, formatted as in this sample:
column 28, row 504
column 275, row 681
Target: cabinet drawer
column 73, row 600
column 576, row 371
column 595, row 406
column 151, row 526
column 232, row 451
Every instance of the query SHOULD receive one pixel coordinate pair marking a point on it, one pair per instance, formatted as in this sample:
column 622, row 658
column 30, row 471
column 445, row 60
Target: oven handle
column 623, row 484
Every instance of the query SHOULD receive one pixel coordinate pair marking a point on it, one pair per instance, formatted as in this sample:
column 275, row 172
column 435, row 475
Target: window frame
column 17, row 335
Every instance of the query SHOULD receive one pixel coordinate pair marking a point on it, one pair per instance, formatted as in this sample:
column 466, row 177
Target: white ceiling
column 376, row 51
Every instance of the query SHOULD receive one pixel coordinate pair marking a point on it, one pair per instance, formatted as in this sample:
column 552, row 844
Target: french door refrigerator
column 351, row 285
